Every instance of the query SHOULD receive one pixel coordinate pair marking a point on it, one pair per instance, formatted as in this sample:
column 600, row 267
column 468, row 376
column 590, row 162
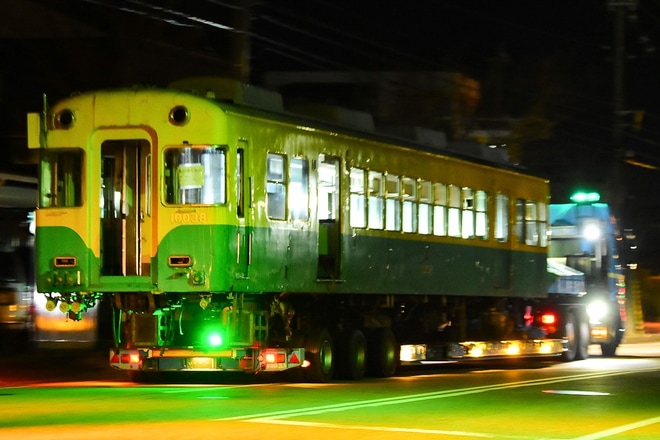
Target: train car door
column 243, row 212
column 329, row 217
column 125, row 208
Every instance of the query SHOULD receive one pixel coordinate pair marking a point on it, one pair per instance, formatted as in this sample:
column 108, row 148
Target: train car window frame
column 61, row 178
column 276, row 186
column 409, row 204
column 376, row 200
column 195, row 174
column 425, row 213
column 298, row 191
column 358, row 203
column 440, row 209
column 392, row 202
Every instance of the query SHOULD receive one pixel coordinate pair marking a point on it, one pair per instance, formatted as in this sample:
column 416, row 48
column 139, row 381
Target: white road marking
column 360, row 404
column 619, row 429
column 395, row 429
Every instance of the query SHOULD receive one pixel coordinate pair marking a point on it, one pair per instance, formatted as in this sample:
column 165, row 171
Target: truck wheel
column 383, row 353
column 577, row 336
column 583, row 339
column 353, row 352
column 570, row 330
column 609, row 349
column 319, row 352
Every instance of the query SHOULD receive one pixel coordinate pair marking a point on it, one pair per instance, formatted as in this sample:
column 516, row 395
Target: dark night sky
column 558, row 65
column 557, row 59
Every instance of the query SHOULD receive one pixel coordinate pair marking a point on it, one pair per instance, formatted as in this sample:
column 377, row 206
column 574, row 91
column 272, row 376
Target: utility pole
column 617, row 192
column 240, row 44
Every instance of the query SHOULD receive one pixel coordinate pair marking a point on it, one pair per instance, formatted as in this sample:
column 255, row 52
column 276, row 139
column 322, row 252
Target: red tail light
column 548, row 319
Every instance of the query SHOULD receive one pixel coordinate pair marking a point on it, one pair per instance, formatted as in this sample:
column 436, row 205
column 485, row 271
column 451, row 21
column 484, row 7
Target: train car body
column 232, row 235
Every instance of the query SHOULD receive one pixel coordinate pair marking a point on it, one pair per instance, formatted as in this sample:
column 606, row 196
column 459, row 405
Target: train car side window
column 240, row 189
column 454, row 211
column 299, row 189
column 481, row 214
column 376, row 200
column 196, row 175
column 520, row 220
column 61, row 179
column 358, row 204
column 543, row 224
column 425, row 212
column 392, row 203
column 502, row 218
column 275, row 187
column 467, row 216
column 409, row 196
column 439, row 209
column 531, row 223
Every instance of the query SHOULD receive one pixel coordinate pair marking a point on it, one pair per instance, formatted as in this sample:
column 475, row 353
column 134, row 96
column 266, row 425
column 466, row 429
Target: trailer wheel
column 383, row 354
column 319, row 352
column 353, row 355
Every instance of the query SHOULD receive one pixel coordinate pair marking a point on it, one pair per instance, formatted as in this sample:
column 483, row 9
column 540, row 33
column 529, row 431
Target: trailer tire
column 319, row 350
column 383, row 353
column 352, row 355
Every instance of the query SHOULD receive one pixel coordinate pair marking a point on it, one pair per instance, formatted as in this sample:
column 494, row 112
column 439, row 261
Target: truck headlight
column 597, row 311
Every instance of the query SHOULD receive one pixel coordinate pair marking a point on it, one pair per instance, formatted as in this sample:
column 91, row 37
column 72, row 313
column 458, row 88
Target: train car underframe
column 336, row 335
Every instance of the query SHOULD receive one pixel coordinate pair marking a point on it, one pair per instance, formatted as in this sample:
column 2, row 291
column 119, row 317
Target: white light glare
column 597, row 310
column 591, row 232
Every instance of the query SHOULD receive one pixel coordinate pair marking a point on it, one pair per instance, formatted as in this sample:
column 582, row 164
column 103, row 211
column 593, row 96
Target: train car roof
column 347, row 121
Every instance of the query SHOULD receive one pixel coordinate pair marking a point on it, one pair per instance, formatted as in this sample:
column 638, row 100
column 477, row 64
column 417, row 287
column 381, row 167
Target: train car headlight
column 597, row 311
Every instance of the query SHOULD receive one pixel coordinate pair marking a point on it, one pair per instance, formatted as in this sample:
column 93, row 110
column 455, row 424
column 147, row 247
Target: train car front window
column 61, row 179
column 196, row 175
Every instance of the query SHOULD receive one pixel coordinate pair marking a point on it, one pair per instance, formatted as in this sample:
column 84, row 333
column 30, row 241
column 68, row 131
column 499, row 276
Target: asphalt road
column 75, row 395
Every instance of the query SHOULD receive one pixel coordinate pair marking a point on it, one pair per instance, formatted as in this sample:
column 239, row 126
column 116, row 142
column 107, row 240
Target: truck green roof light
column 585, row 197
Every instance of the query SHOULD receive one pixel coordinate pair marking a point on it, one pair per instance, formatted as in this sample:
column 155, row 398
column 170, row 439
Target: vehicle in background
column 585, row 244
column 16, row 306
column 26, row 321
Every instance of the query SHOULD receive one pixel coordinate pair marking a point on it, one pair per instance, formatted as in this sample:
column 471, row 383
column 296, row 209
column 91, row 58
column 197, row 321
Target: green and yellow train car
column 229, row 234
